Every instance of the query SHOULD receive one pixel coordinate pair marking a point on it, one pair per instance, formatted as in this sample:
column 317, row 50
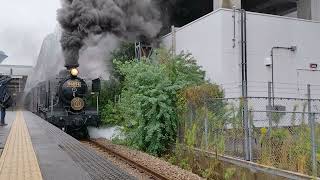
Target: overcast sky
column 23, row 26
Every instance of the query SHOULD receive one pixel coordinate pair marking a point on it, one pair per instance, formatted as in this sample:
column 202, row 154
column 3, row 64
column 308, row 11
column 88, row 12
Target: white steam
column 107, row 133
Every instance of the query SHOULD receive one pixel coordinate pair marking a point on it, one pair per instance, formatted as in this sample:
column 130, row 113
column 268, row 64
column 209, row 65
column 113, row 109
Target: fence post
column 247, row 140
column 314, row 146
column 206, row 125
column 250, row 124
column 311, row 120
column 269, row 108
column 309, row 102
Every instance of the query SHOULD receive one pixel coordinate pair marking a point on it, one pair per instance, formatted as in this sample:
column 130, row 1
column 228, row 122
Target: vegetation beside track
column 143, row 96
column 151, row 98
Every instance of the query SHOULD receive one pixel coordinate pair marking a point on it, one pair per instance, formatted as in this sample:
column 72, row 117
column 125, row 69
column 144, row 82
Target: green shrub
column 147, row 107
column 111, row 115
column 147, row 91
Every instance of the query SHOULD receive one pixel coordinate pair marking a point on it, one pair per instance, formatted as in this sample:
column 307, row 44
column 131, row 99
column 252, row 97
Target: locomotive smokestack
column 71, row 66
column 126, row 19
column 71, row 43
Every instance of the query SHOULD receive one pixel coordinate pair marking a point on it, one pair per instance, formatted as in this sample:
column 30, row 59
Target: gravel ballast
column 168, row 170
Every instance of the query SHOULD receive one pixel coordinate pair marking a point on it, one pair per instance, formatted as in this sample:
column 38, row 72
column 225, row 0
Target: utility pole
column 174, row 40
column 244, row 80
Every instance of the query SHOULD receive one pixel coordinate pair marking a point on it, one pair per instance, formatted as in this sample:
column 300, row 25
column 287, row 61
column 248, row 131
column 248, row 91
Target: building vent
column 313, row 66
column 267, row 62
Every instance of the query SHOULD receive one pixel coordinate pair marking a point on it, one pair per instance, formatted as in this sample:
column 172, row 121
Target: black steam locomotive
column 63, row 103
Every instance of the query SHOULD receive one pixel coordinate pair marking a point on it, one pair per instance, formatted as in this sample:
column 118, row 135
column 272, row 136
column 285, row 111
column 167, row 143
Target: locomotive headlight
column 74, row 72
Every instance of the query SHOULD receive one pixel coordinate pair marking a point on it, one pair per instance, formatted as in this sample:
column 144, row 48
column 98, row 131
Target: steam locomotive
column 63, row 102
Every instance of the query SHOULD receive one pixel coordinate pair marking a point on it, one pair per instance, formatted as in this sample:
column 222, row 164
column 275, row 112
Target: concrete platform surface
column 4, row 130
column 58, row 155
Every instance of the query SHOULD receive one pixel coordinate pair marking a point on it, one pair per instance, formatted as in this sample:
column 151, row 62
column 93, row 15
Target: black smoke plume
column 126, row 19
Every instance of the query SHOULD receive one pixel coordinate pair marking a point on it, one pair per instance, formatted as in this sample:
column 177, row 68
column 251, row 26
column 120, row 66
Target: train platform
column 4, row 130
column 31, row 148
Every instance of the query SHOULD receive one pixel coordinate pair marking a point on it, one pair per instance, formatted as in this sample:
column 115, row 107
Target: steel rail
column 140, row 167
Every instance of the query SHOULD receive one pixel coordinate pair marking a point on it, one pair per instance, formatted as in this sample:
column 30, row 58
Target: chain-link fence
column 283, row 132
column 279, row 132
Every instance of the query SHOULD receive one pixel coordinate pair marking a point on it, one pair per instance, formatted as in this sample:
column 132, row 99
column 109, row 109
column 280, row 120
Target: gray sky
column 23, row 25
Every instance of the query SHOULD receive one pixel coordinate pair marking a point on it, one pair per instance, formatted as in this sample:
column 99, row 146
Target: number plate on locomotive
column 73, row 84
column 77, row 104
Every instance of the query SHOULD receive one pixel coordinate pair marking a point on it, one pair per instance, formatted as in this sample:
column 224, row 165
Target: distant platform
column 19, row 74
column 37, row 150
column 15, row 70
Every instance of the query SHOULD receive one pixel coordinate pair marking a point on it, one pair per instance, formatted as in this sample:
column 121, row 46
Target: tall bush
column 147, row 106
column 149, row 96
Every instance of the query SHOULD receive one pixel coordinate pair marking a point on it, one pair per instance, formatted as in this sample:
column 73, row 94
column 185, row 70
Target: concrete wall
column 209, row 39
column 203, row 38
column 309, row 9
column 315, row 10
column 226, row 4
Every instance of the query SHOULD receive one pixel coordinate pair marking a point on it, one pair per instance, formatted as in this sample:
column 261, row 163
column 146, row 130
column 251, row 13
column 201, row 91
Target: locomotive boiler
column 63, row 102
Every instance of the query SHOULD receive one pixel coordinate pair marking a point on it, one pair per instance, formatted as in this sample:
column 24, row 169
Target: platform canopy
column 2, row 56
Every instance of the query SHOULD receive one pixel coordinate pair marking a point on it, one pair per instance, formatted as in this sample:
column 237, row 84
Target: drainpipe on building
column 292, row 49
column 234, row 26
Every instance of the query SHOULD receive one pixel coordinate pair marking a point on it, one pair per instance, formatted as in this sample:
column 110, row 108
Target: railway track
column 141, row 168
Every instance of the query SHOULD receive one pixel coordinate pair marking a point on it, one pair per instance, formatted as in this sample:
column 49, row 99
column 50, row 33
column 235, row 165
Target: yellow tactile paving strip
column 18, row 160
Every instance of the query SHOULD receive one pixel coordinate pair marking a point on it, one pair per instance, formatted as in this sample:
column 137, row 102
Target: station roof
column 15, row 70
column 2, row 56
column 19, row 74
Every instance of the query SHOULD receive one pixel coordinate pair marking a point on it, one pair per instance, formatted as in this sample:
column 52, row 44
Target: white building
column 210, row 40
